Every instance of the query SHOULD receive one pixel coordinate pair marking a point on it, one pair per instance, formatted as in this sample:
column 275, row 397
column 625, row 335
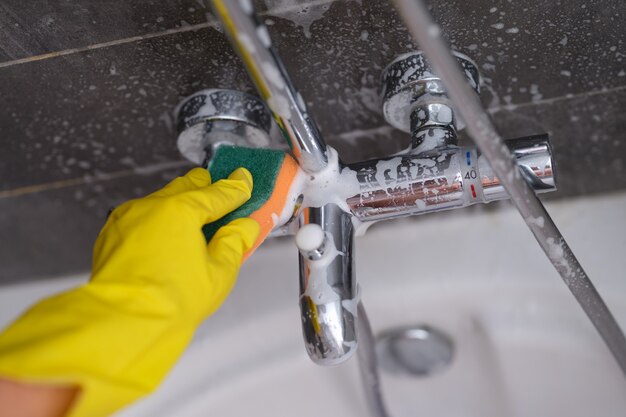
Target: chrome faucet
column 432, row 174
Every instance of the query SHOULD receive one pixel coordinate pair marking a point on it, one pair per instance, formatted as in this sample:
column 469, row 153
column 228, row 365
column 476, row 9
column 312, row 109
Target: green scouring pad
column 272, row 172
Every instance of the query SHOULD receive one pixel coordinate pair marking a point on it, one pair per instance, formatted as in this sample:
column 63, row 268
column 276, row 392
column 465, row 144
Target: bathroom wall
column 87, row 90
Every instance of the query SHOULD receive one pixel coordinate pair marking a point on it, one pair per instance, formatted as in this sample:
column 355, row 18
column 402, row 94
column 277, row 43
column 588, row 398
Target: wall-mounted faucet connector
column 434, row 174
column 213, row 117
column 445, row 178
column 416, row 182
column 415, row 100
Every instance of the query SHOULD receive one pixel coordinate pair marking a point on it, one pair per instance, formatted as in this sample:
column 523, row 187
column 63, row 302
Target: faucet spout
column 433, row 175
column 250, row 38
column 328, row 291
column 328, row 296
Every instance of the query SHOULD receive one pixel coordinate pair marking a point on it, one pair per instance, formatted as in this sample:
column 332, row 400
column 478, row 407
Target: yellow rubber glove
column 154, row 280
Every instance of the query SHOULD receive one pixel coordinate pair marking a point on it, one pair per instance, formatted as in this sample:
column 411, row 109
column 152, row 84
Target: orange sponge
column 273, row 172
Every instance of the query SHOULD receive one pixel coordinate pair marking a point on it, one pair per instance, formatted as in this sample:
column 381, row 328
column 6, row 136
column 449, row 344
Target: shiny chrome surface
column 250, row 38
column 405, row 185
column 220, row 104
column 215, row 116
column 432, row 115
column 416, row 350
column 328, row 327
column 410, row 88
column 433, row 125
column 534, row 159
column 328, row 290
column 434, row 176
column 443, row 179
column 368, row 365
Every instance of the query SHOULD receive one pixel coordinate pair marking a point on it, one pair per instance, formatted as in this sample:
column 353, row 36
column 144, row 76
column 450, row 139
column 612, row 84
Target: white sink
column 523, row 347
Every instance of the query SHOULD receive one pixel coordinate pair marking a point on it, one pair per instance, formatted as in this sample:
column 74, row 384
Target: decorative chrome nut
column 432, row 114
column 410, row 81
column 213, row 117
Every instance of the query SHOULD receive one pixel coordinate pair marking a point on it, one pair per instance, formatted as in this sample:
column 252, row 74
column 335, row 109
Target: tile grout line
column 553, row 100
column 102, row 45
column 497, row 109
column 55, row 185
column 190, row 28
column 290, row 8
column 176, row 164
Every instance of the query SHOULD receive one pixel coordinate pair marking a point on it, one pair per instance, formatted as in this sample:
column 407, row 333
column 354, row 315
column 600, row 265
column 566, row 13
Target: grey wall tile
column 527, row 52
column 587, row 134
column 104, row 110
column 107, row 110
column 551, row 66
column 533, row 50
column 52, row 232
column 37, row 27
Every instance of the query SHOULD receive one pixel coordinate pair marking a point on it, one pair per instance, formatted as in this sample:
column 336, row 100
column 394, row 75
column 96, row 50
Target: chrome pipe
column 251, row 39
column 427, row 34
column 443, row 179
column 368, row 365
column 327, row 285
column 535, row 164
column 328, row 291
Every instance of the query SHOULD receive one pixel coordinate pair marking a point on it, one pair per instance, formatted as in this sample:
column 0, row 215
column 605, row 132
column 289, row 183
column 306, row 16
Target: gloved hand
column 154, row 280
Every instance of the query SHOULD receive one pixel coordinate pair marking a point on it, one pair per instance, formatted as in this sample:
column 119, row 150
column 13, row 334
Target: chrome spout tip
column 334, row 359
column 329, row 295
column 327, row 330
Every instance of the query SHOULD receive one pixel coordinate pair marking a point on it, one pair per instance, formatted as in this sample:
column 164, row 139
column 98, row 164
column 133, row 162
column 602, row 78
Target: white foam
column 352, row 304
column 246, row 42
column 310, row 237
column 332, row 185
column 290, row 207
column 317, row 286
column 557, row 255
column 264, row 36
column 302, row 14
column 280, row 105
column 273, row 75
column 246, row 5
column 537, row 221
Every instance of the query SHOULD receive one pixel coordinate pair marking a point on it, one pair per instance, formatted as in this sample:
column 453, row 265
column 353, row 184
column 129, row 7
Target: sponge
column 273, row 173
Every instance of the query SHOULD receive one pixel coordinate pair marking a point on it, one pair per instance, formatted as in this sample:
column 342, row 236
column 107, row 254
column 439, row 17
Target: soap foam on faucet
column 332, row 185
column 317, row 286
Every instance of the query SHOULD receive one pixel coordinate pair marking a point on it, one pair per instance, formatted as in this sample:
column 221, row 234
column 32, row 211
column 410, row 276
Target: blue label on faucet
column 472, row 186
